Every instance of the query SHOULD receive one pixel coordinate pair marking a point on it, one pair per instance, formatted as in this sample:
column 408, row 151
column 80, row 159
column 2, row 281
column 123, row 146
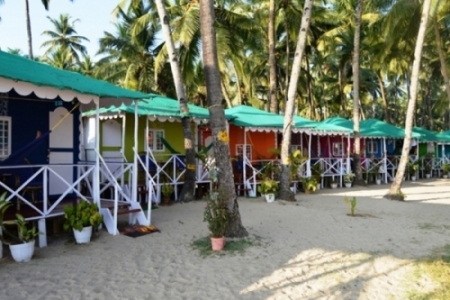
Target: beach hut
column 386, row 141
column 330, row 154
column 43, row 161
column 160, row 138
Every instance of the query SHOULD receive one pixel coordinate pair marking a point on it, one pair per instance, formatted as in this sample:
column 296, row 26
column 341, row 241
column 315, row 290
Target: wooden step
column 128, row 211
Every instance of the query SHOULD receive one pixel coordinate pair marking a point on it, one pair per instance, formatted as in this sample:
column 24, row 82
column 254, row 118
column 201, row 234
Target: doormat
column 138, row 230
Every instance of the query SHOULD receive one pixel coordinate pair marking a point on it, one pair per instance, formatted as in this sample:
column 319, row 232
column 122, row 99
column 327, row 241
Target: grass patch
column 232, row 246
column 437, row 268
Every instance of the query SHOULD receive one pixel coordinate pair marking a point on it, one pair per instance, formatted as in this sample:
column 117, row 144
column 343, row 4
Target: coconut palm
column 187, row 193
column 129, row 59
column 395, row 190
column 64, row 37
column 217, row 121
column 60, row 58
column 285, row 193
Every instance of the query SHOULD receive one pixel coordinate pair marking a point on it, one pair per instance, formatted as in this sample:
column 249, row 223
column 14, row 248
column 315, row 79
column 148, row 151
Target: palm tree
column 285, row 193
column 273, row 103
column 130, row 59
column 395, row 190
column 64, row 37
column 187, row 193
column 356, row 101
column 217, row 117
column 60, row 58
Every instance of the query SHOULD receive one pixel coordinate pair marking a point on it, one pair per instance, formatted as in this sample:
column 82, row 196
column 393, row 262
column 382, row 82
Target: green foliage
column 352, row 203
column 446, row 168
column 268, row 186
column 83, row 214
column 309, row 183
column 348, row 177
column 427, row 169
column 24, row 234
column 216, row 214
column 413, row 167
column 167, row 189
column 295, row 161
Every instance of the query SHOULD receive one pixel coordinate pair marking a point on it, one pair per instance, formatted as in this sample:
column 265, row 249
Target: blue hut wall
column 379, row 147
column 446, row 150
column 30, row 114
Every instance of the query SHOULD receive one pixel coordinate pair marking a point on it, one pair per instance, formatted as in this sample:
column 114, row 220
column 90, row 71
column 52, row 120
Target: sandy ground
column 309, row 250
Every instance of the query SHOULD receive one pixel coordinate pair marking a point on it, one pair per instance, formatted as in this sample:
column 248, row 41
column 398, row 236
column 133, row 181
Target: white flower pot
column 378, row 181
column 445, row 176
column 348, row 184
column 427, row 176
column 270, row 198
column 334, row 185
column 22, row 252
column 83, row 236
column 413, row 178
column 318, row 186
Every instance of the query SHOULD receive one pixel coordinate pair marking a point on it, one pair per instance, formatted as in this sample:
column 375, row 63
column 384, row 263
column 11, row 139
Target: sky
column 95, row 17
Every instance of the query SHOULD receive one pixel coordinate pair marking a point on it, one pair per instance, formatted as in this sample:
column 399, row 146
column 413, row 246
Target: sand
column 310, row 249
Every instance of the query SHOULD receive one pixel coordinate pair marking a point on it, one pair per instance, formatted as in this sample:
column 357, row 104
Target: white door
column 61, row 150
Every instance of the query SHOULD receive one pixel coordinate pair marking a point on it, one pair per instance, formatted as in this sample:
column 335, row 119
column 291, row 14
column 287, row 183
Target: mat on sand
column 138, row 230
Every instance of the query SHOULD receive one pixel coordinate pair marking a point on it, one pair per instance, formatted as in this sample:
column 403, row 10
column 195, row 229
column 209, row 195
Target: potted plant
column 413, row 167
column 333, row 183
column 268, row 188
column 166, row 191
column 309, row 184
column 22, row 244
column 217, row 216
column 376, row 170
column 445, row 169
column 348, row 179
column 427, row 170
column 81, row 218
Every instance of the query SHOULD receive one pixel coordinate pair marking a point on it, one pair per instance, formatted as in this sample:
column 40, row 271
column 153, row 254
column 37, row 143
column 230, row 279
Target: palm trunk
column 395, row 190
column 273, row 101
column 356, row 101
column 187, row 194
column 217, row 122
column 285, row 193
column 309, row 87
column 442, row 58
column 30, row 39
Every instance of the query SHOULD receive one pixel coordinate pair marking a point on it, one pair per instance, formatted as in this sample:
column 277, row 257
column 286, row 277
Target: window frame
column 6, row 119
column 370, row 147
column 154, row 146
column 340, row 148
column 248, row 151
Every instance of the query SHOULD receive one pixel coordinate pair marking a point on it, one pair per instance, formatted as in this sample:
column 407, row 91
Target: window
column 5, row 137
column 248, row 151
column 155, row 140
column 338, row 149
column 372, row 147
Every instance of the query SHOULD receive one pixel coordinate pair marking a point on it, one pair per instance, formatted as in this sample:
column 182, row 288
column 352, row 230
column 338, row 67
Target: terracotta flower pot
column 217, row 243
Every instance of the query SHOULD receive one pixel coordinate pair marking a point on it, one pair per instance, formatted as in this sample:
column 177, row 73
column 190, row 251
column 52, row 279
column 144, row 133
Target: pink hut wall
column 326, row 144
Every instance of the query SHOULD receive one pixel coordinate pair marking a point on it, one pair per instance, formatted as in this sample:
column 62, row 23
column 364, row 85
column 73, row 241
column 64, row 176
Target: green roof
column 338, row 121
column 373, row 128
column 444, row 137
column 430, row 136
column 248, row 116
column 19, row 68
column 155, row 105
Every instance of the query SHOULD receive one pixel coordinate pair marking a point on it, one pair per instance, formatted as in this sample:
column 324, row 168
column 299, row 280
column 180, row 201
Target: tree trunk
column 30, row 39
column 285, row 193
column 217, row 122
column 442, row 58
column 395, row 190
column 383, row 97
column 273, row 101
column 309, row 86
column 187, row 194
column 356, row 101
